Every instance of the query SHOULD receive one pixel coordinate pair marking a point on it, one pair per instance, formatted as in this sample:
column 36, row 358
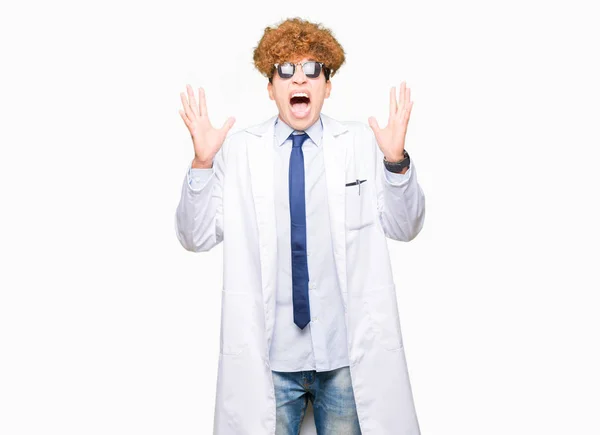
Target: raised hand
column 207, row 139
column 391, row 138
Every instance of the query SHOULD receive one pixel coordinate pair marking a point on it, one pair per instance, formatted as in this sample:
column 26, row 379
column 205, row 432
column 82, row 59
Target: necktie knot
column 298, row 139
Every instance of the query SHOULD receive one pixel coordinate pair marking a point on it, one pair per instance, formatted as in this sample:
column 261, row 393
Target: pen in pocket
column 354, row 183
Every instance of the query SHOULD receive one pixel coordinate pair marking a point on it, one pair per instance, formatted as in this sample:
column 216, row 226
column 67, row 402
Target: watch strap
column 397, row 167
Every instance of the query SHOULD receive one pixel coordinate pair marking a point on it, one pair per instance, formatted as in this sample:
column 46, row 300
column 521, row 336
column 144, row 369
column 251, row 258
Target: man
column 303, row 205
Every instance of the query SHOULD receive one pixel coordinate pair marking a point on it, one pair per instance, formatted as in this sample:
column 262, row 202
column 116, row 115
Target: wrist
column 201, row 164
column 395, row 158
column 397, row 166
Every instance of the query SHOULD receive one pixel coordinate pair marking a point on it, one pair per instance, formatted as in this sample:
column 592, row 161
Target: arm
column 400, row 200
column 199, row 215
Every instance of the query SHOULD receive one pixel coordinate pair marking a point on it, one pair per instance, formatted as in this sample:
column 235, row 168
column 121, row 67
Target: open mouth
column 300, row 106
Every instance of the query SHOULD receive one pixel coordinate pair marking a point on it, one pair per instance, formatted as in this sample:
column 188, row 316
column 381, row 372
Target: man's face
column 299, row 112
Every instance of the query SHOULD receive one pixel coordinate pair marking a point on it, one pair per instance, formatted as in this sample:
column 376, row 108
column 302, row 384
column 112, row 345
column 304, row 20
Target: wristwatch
column 397, row 167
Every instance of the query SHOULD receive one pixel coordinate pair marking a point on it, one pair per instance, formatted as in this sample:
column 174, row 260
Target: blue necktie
column 298, row 232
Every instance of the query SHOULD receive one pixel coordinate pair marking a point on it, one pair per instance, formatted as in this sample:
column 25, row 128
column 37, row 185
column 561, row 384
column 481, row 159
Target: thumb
column 228, row 124
column 374, row 125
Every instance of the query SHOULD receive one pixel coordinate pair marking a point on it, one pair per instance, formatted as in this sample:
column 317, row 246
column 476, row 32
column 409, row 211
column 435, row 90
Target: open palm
column 391, row 138
column 207, row 139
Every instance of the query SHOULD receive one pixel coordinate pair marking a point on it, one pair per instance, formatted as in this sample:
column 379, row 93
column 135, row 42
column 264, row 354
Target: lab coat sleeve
column 400, row 199
column 199, row 214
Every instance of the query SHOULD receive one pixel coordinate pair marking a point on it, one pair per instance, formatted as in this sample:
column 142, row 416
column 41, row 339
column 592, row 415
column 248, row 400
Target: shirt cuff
column 395, row 178
column 198, row 177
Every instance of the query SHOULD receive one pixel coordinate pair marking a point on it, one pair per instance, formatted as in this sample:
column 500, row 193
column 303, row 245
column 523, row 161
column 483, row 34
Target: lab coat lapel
column 260, row 162
column 335, row 155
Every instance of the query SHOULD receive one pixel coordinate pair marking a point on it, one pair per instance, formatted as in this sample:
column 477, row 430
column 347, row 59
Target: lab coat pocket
column 359, row 203
column 382, row 308
column 235, row 314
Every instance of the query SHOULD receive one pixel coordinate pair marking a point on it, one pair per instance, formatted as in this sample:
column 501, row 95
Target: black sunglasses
column 311, row 68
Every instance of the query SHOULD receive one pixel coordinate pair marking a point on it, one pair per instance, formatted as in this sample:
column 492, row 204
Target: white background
column 108, row 326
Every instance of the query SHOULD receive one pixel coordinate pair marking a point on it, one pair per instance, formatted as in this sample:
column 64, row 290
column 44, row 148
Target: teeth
column 300, row 94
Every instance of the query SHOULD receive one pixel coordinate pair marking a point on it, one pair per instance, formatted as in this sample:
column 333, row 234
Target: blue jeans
column 331, row 396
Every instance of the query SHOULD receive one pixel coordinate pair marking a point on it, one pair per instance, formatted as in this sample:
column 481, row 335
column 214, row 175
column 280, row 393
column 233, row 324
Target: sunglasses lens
column 286, row 70
column 312, row 69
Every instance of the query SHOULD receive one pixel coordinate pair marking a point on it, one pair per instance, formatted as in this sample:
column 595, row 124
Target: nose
column 299, row 76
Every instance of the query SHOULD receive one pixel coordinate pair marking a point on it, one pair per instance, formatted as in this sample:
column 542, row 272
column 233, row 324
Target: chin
column 303, row 121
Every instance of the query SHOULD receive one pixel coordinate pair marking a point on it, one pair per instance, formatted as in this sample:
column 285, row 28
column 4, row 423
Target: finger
column 186, row 106
column 393, row 104
column 202, row 98
column 407, row 103
column 185, row 118
column 374, row 125
column 228, row 124
column 409, row 110
column 193, row 104
column 402, row 96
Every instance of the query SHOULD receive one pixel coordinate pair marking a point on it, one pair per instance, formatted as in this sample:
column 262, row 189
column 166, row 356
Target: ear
column 270, row 90
column 327, row 88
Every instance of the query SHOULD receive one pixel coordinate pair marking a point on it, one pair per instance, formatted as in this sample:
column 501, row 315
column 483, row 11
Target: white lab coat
column 236, row 207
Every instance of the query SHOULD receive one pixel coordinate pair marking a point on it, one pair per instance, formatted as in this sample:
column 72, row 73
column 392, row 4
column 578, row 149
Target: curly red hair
column 293, row 39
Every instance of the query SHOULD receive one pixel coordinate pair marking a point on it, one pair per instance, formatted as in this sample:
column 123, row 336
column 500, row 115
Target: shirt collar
column 283, row 131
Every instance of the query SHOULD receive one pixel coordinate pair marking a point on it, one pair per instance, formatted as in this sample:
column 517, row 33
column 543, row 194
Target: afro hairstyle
column 295, row 38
